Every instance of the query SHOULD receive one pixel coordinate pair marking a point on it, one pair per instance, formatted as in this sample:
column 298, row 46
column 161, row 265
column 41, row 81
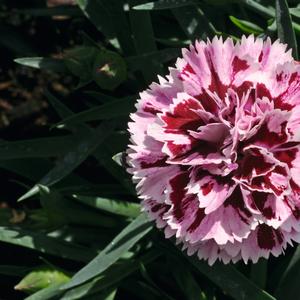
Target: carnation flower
column 215, row 150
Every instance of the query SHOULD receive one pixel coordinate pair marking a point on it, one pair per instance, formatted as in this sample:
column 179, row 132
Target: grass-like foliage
column 73, row 224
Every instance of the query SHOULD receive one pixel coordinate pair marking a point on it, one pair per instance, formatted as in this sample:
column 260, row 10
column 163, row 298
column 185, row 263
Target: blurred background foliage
column 70, row 222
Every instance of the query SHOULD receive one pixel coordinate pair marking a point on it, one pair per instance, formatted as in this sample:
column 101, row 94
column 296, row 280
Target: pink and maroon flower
column 215, row 150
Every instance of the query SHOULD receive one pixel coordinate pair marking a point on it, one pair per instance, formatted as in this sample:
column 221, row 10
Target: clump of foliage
column 74, row 216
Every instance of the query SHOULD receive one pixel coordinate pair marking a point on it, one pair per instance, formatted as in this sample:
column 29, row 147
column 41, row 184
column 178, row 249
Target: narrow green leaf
column 139, row 62
column 144, row 41
column 41, row 278
column 109, row 296
column 115, row 274
column 97, row 13
column 119, row 245
column 186, row 281
column 106, row 111
column 295, row 11
column 41, row 147
column 194, row 22
column 230, row 280
column 246, row 26
column 101, row 13
column 123, row 208
column 100, row 97
column 62, row 110
column 288, row 287
column 285, row 29
column 62, row 210
column 164, row 4
column 226, row 277
column 79, row 62
column 47, row 293
column 265, row 11
column 40, row 242
column 153, row 285
column 50, row 64
column 86, row 146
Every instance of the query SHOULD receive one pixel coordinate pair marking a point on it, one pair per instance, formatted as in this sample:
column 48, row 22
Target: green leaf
column 52, row 64
column 285, row 30
column 106, row 111
column 41, row 278
column 62, row 210
column 40, row 242
column 288, row 287
column 186, row 281
column 246, row 26
column 164, row 4
column 86, row 146
column 119, row 245
column 109, row 296
column 62, row 110
column 139, row 62
column 122, row 208
column 230, row 280
column 295, row 11
column 47, row 293
column 100, row 97
column 97, row 13
column 153, row 285
column 101, row 13
column 265, row 11
column 79, row 61
column 41, row 147
column 194, row 22
column 144, row 40
column 111, row 277
column 109, row 70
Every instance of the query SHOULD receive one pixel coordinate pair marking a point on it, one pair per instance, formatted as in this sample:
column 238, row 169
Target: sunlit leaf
column 41, row 278
column 118, row 246
column 52, row 64
column 246, row 26
column 115, row 274
column 40, row 242
column 123, row 208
